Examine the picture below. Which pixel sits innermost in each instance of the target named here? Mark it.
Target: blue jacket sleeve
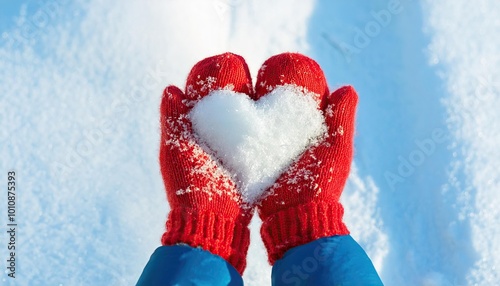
(335, 260)
(185, 265)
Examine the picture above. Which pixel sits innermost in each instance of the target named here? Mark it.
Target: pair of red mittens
(207, 210)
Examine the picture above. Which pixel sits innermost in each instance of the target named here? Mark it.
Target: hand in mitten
(303, 204)
(206, 209)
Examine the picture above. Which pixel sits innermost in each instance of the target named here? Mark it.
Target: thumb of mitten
(337, 150)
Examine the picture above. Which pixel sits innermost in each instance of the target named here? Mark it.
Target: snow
(80, 85)
(466, 49)
(257, 140)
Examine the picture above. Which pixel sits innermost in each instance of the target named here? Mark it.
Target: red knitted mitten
(303, 204)
(206, 209)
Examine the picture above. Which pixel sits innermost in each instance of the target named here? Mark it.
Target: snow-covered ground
(80, 83)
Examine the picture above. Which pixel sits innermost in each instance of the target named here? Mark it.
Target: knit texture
(225, 71)
(206, 208)
(291, 68)
(303, 204)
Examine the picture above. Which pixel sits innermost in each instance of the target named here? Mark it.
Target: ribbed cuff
(299, 225)
(227, 237)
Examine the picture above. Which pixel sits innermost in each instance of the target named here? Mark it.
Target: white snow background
(80, 84)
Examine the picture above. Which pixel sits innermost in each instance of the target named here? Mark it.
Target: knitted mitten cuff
(300, 225)
(227, 237)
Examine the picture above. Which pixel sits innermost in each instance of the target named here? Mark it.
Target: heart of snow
(257, 140)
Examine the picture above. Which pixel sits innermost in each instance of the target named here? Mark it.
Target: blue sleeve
(334, 260)
(185, 265)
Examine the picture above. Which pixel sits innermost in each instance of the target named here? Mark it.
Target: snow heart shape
(257, 140)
